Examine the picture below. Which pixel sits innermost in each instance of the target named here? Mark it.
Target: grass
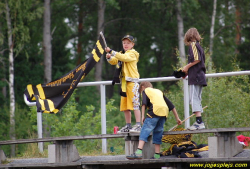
(115, 147)
(33, 151)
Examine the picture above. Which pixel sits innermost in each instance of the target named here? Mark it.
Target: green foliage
(4, 125)
(23, 128)
(154, 24)
(113, 3)
(21, 15)
(227, 99)
(175, 95)
(4, 116)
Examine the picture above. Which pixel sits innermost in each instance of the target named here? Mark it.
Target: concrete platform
(120, 161)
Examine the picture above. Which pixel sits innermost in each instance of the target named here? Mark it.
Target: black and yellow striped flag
(51, 97)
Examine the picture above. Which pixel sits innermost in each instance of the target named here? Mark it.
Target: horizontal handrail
(157, 79)
(49, 139)
(122, 135)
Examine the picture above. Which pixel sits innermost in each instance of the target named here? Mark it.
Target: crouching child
(158, 107)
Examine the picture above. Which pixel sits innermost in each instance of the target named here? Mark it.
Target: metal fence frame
(103, 84)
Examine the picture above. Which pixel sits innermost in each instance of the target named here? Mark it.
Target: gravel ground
(244, 153)
(28, 161)
(204, 154)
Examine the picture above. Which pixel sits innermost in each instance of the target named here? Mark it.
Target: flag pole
(103, 38)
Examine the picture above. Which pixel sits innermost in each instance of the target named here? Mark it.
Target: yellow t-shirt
(160, 107)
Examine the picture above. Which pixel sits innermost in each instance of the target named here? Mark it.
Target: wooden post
(131, 144)
(2, 156)
(63, 151)
(149, 148)
(224, 144)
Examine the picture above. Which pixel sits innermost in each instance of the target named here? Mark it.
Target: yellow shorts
(131, 102)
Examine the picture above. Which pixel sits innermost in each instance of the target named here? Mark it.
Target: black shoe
(124, 129)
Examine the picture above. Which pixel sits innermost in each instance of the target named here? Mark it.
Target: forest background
(42, 40)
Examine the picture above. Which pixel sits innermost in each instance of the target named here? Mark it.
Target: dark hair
(192, 35)
(145, 84)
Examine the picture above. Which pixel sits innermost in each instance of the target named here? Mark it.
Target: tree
(11, 78)
(181, 34)
(212, 35)
(238, 25)
(47, 49)
(3, 65)
(100, 28)
(47, 43)
(80, 32)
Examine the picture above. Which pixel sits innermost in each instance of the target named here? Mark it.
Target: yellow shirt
(129, 68)
(160, 107)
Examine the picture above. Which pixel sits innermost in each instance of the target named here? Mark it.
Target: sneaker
(196, 126)
(135, 129)
(124, 129)
(154, 158)
(134, 156)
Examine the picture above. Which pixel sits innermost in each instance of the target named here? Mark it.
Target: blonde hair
(192, 35)
(145, 84)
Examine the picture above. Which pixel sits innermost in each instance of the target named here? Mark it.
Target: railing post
(40, 130)
(186, 101)
(103, 117)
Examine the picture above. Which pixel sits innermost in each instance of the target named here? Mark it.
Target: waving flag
(51, 97)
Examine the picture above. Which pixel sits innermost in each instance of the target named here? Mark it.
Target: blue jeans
(156, 125)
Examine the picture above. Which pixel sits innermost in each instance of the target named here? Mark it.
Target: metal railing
(103, 84)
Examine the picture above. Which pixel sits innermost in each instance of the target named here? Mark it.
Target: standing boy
(158, 108)
(195, 69)
(126, 64)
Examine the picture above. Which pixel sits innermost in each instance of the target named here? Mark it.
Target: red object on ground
(244, 139)
(116, 129)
